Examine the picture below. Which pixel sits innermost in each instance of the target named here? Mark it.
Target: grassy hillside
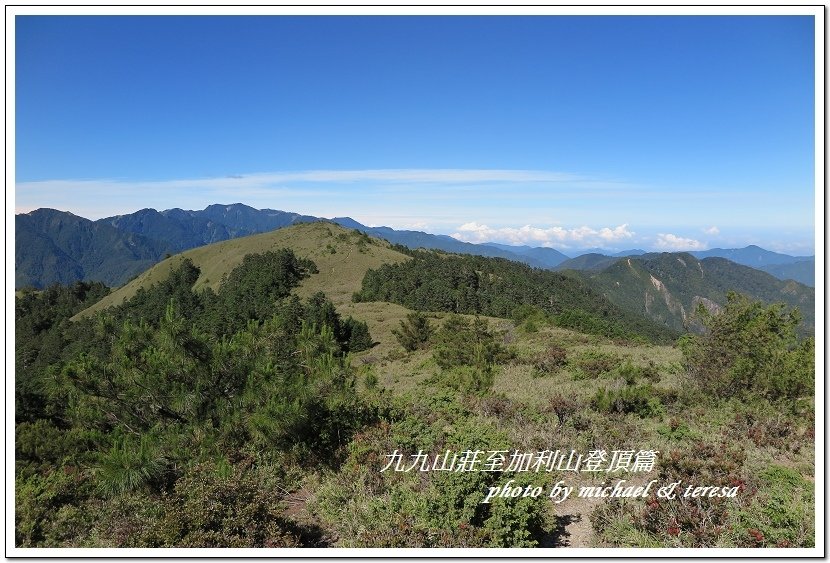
(161, 434)
(342, 257)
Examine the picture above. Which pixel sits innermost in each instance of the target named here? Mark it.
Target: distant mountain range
(752, 256)
(669, 287)
(536, 257)
(181, 229)
(54, 246)
(58, 247)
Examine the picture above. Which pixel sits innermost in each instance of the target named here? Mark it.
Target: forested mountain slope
(668, 287)
(58, 247)
(434, 281)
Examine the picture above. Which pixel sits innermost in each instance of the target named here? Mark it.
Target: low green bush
(591, 364)
(554, 358)
(207, 509)
(783, 514)
(641, 400)
(678, 522)
(461, 342)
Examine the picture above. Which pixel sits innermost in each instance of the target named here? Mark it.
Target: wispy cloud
(713, 230)
(444, 176)
(261, 179)
(551, 236)
(668, 241)
(309, 191)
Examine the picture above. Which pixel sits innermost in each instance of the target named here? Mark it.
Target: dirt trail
(574, 515)
(575, 524)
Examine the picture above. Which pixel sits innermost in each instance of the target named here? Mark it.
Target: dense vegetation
(247, 417)
(749, 365)
(136, 401)
(496, 287)
(58, 247)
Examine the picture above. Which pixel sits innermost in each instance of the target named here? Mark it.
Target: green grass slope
(342, 256)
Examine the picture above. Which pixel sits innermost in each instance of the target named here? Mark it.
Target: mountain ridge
(54, 246)
(668, 287)
(62, 250)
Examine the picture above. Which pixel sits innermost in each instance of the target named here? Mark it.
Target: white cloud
(477, 233)
(672, 242)
(713, 230)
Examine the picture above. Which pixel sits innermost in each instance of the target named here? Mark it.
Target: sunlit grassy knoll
(341, 255)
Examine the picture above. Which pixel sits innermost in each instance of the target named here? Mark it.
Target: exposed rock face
(672, 303)
(710, 305)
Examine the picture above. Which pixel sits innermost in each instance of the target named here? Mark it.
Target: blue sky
(653, 132)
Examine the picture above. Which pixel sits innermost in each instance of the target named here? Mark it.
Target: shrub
(563, 407)
(529, 317)
(43, 500)
(783, 514)
(463, 343)
(640, 400)
(367, 508)
(208, 510)
(516, 522)
(591, 364)
(371, 380)
(675, 430)
(631, 372)
(551, 360)
(497, 405)
(751, 349)
(683, 521)
(356, 334)
(468, 379)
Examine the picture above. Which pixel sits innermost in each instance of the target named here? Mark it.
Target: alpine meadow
(431, 281)
(248, 393)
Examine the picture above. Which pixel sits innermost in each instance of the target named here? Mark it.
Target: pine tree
(415, 332)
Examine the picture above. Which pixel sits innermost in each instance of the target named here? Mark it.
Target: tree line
(434, 281)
